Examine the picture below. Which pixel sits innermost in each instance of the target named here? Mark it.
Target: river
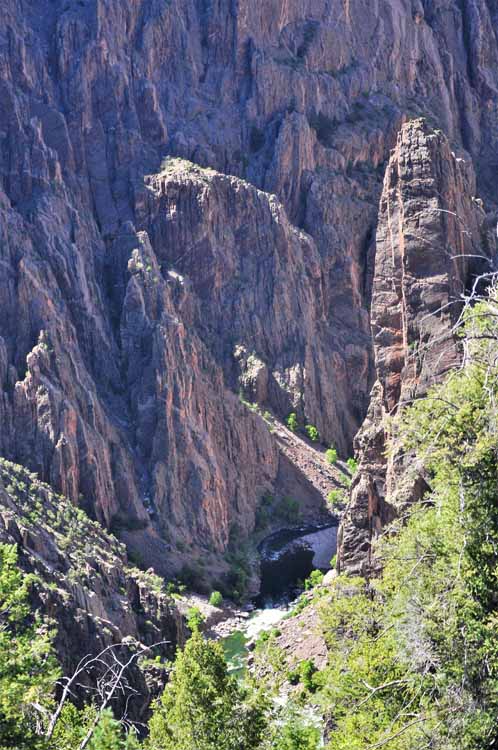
(287, 559)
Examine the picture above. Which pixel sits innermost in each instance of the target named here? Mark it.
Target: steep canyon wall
(189, 209)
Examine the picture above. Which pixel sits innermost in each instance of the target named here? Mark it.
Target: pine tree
(413, 656)
(108, 734)
(295, 734)
(202, 707)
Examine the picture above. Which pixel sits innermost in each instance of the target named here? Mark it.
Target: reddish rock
(120, 385)
(431, 243)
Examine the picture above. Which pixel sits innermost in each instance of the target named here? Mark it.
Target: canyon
(214, 214)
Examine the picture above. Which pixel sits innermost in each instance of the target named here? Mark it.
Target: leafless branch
(113, 679)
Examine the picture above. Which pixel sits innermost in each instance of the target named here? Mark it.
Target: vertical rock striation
(188, 209)
(431, 243)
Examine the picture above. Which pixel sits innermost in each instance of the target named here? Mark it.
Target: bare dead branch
(112, 680)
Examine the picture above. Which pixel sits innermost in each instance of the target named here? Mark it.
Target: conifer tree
(203, 707)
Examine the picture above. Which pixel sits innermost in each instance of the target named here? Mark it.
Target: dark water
(288, 557)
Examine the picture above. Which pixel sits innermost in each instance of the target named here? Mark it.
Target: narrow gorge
(239, 241)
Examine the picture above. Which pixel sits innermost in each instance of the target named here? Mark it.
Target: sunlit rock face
(84, 582)
(189, 211)
(432, 244)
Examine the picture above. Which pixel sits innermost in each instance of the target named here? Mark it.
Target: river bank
(287, 559)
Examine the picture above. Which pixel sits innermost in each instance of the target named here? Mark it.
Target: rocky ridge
(432, 243)
(85, 583)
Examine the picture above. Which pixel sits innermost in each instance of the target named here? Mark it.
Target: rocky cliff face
(189, 202)
(431, 245)
(85, 582)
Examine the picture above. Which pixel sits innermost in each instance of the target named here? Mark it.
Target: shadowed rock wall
(189, 199)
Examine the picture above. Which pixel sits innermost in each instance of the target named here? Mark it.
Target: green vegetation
(28, 675)
(413, 658)
(296, 734)
(73, 725)
(352, 465)
(135, 557)
(175, 588)
(235, 582)
(301, 603)
(314, 579)
(253, 406)
(203, 707)
(192, 576)
(303, 674)
(109, 735)
(216, 599)
(268, 417)
(28, 669)
(292, 422)
(312, 433)
(412, 652)
(336, 498)
(331, 455)
(288, 510)
(263, 512)
(195, 619)
(267, 635)
(87, 547)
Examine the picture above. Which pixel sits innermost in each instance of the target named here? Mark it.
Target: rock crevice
(432, 242)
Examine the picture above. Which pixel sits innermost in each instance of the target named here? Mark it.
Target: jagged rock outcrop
(431, 244)
(185, 420)
(119, 383)
(85, 583)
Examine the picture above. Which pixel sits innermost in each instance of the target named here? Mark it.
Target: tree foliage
(216, 599)
(195, 619)
(109, 733)
(331, 455)
(28, 669)
(414, 654)
(203, 707)
(292, 422)
(295, 734)
(312, 433)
